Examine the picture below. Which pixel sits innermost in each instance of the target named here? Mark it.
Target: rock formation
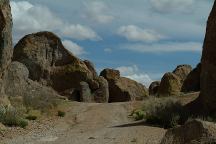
(123, 89)
(153, 88)
(50, 64)
(170, 85)
(193, 132)
(192, 82)
(17, 84)
(182, 72)
(208, 62)
(6, 48)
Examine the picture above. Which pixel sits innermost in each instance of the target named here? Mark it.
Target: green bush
(138, 115)
(61, 113)
(33, 114)
(164, 112)
(11, 117)
(23, 123)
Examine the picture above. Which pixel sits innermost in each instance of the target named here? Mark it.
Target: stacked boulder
(51, 64)
(192, 82)
(14, 81)
(171, 82)
(122, 89)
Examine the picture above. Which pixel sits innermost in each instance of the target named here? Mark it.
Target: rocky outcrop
(193, 132)
(123, 89)
(182, 72)
(208, 73)
(110, 74)
(17, 84)
(50, 64)
(6, 48)
(170, 85)
(101, 95)
(192, 82)
(153, 88)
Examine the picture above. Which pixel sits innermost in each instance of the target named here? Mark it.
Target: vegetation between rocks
(165, 112)
(10, 116)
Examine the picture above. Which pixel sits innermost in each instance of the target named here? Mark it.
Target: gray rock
(153, 88)
(85, 92)
(102, 94)
(193, 132)
(6, 48)
(17, 84)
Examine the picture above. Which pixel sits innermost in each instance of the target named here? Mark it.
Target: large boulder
(192, 82)
(51, 64)
(101, 95)
(208, 72)
(153, 88)
(170, 85)
(193, 132)
(122, 89)
(182, 72)
(6, 48)
(17, 84)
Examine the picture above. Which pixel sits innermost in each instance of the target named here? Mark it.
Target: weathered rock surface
(123, 89)
(17, 84)
(153, 88)
(182, 72)
(50, 64)
(6, 48)
(170, 85)
(193, 132)
(208, 62)
(101, 95)
(192, 82)
(110, 74)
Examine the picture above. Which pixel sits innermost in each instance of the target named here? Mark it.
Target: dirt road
(90, 124)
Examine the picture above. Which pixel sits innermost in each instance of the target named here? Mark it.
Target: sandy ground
(88, 124)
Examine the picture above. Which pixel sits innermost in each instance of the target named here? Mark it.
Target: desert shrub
(40, 103)
(11, 117)
(138, 114)
(61, 113)
(33, 114)
(164, 112)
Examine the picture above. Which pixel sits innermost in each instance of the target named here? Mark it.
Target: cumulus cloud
(134, 33)
(171, 5)
(73, 47)
(165, 47)
(80, 32)
(29, 18)
(98, 11)
(134, 73)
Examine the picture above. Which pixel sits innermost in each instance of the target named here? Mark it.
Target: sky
(142, 38)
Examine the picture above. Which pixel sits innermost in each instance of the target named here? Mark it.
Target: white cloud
(79, 32)
(108, 50)
(165, 47)
(134, 33)
(171, 5)
(98, 11)
(134, 73)
(29, 18)
(73, 47)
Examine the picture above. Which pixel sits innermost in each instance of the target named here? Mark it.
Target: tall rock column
(6, 49)
(208, 73)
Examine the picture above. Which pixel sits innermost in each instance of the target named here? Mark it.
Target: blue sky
(142, 38)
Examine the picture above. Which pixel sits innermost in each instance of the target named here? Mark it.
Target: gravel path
(90, 124)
